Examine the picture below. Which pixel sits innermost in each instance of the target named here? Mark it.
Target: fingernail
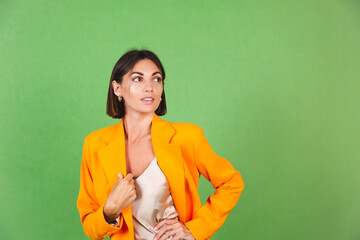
(155, 228)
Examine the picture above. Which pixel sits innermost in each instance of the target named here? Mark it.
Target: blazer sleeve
(228, 186)
(91, 212)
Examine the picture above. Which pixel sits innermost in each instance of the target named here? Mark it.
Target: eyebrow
(143, 74)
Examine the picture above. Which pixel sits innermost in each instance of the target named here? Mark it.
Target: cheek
(133, 90)
(159, 90)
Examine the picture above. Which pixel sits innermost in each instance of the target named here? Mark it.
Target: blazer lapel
(112, 157)
(170, 161)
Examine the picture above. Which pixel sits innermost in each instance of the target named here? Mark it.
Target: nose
(148, 86)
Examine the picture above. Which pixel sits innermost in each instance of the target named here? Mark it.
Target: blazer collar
(168, 155)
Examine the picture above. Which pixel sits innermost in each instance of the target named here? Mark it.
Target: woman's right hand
(122, 194)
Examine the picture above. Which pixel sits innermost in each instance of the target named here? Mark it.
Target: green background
(274, 84)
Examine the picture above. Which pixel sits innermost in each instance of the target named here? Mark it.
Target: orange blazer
(183, 153)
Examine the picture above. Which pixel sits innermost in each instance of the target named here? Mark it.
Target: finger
(120, 176)
(180, 235)
(165, 228)
(162, 231)
(164, 221)
(133, 193)
(170, 233)
(133, 197)
(130, 200)
(128, 177)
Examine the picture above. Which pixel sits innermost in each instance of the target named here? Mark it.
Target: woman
(139, 177)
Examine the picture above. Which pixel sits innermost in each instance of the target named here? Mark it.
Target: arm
(227, 182)
(91, 212)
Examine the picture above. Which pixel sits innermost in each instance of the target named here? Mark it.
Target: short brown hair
(116, 109)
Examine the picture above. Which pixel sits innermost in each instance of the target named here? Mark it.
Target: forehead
(145, 66)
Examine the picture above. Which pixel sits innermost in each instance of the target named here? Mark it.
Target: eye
(137, 79)
(158, 79)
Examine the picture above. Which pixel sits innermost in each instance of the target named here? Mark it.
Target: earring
(160, 99)
(119, 98)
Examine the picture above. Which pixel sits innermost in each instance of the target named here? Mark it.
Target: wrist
(108, 214)
(115, 223)
(111, 215)
(109, 218)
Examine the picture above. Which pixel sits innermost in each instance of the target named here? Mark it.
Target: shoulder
(96, 136)
(186, 128)
(187, 132)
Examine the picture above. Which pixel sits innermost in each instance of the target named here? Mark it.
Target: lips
(147, 99)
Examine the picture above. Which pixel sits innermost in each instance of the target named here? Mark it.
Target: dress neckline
(146, 169)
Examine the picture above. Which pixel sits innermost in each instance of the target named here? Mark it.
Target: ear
(117, 88)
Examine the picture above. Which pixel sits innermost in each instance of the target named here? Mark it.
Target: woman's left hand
(172, 227)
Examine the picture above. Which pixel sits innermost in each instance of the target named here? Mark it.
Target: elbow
(240, 182)
(237, 183)
(234, 183)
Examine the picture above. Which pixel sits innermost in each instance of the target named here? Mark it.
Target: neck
(137, 125)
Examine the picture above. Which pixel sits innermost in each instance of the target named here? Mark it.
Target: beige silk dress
(153, 201)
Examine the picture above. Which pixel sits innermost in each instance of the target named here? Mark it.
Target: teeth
(147, 99)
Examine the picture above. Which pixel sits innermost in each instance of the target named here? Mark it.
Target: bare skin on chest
(139, 155)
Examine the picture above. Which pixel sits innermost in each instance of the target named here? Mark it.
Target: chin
(152, 110)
